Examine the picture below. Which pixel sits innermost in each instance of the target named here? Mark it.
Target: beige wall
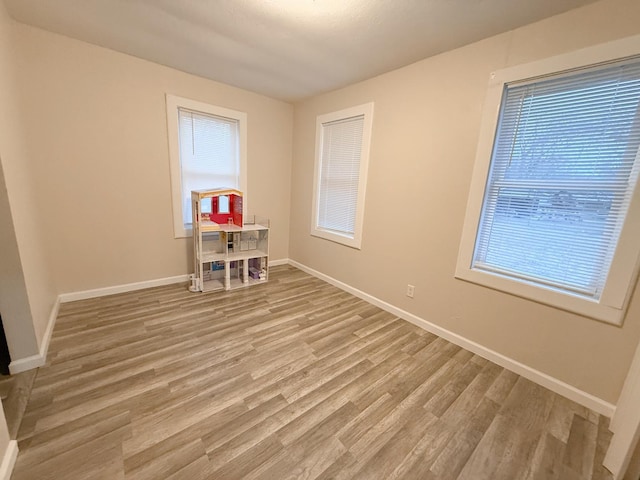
(84, 152)
(425, 130)
(4, 434)
(95, 123)
(14, 300)
(26, 291)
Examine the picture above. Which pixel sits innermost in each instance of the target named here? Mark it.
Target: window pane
(563, 170)
(209, 156)
(223, 204)
(340, 175)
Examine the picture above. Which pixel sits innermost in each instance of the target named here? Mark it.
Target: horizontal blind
(564, 167)
(339, 175)
(209, 156)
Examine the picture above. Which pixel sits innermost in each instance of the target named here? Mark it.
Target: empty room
(320, 239)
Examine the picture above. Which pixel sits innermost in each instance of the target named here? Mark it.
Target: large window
(554, 216)
(207, 150)
(342, 158)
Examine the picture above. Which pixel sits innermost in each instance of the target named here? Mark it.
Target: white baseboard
(35, 361)
(281, 261)
(594, 403)
(128, 287)
(38, 360)
(27, 363)
(558, 386)
(46, 338)
(9, 460)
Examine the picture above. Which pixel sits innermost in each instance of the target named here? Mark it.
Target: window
(549, 213)
(342, 159)
(207, 146)
(223, 204)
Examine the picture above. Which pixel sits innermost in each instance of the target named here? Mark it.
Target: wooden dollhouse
(230, 250)
(215, 207)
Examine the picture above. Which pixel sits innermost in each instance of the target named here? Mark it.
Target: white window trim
(367, 111)
(613, 303)
(173, 103)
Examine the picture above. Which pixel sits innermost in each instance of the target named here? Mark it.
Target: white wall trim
(281, 261)
(558, 386)
(174, 102)
(9, 460)
(38, 360)
(46, 338)
(625, 423)
(590, 401)
(611, 306)
(127, 287)
(323, 122)
(35, 361)
(26, 363)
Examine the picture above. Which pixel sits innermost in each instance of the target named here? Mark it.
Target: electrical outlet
(410, 290)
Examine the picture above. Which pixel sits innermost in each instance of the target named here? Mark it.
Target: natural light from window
(553, 210)
(562, 176)
(207, 149)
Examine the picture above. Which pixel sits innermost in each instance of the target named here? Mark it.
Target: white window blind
(209, 154)
(564, 167)
(340, 175)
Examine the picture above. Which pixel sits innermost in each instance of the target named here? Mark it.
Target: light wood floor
(15, 391)
(293, 379)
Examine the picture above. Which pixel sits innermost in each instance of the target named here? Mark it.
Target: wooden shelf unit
(227, 255)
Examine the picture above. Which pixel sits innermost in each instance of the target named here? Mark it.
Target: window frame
(612, 304)
(365, 110)
(173, 103)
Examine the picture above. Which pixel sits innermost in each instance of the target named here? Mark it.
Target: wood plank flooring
(293, 379)
(15, 391)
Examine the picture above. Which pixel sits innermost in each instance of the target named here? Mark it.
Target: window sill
(550, 296)
(352, 242)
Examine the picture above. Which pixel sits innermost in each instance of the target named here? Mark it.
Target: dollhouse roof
(212, 192)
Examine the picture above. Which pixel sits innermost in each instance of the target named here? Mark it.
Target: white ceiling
(287, 49)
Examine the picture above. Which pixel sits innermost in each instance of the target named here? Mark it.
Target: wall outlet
(410, 290)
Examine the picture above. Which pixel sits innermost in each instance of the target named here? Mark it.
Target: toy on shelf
(216, 206)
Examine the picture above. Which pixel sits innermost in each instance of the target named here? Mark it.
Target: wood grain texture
(15, 391)
(293, 379)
